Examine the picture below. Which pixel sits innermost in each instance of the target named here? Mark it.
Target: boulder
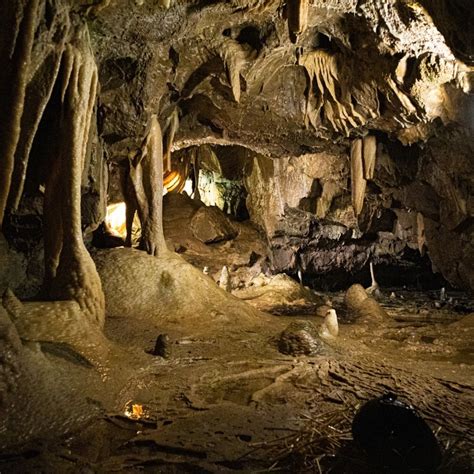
(362, 306)
(301, 338)
(210, 225)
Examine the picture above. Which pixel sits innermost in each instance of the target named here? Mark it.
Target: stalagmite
(146, 191)
(362, 306)
(369, 155)
(70, 271)
(358, 183)
(224, 279)
(297, 18)
(330, 327)
(373, 289)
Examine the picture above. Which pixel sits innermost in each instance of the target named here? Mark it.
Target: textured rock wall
(297, 85)
(419, 201)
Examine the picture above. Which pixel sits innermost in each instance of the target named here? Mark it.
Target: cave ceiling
(282, 78)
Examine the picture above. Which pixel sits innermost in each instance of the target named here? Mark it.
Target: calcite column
(70, 271)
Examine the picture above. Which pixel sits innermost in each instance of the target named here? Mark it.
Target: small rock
(301, 338)
(162, 346)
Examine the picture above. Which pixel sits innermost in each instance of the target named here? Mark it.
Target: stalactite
(37, 99)
(196, 165)
(17, 28)
(297, 18)
(334, 93)
(358, 183)
(369, 155)
(234, 57)
(402, 101)
(420, 231)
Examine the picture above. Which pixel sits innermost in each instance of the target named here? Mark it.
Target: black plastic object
(395, 437)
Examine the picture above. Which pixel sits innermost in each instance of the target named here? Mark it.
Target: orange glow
(137, 411)
(173, 181)
(115, 219)
(134, 410)
(116, 213)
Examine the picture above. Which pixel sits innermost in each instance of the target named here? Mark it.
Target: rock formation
(362, 306)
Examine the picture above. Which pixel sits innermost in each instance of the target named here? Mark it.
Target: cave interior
(237, 236)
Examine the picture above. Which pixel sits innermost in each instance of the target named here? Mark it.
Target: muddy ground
(227, 400)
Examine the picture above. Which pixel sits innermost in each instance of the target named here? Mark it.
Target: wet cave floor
(226, 399)
(230, 401)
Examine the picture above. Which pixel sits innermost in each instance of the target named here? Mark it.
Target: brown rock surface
(210, 225)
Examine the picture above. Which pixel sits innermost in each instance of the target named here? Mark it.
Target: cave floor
(228, 400)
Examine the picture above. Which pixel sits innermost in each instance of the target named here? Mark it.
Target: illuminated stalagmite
(70, 273)
(144, 190)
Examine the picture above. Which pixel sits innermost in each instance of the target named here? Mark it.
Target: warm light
(137, 411)
(173, 181)
(134, 410)
(116, 220)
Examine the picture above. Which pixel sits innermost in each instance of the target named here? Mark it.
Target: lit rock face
(299, 89)
(235, 76)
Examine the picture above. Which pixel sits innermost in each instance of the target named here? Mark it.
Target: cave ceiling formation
(351, 120)
(298, 84)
